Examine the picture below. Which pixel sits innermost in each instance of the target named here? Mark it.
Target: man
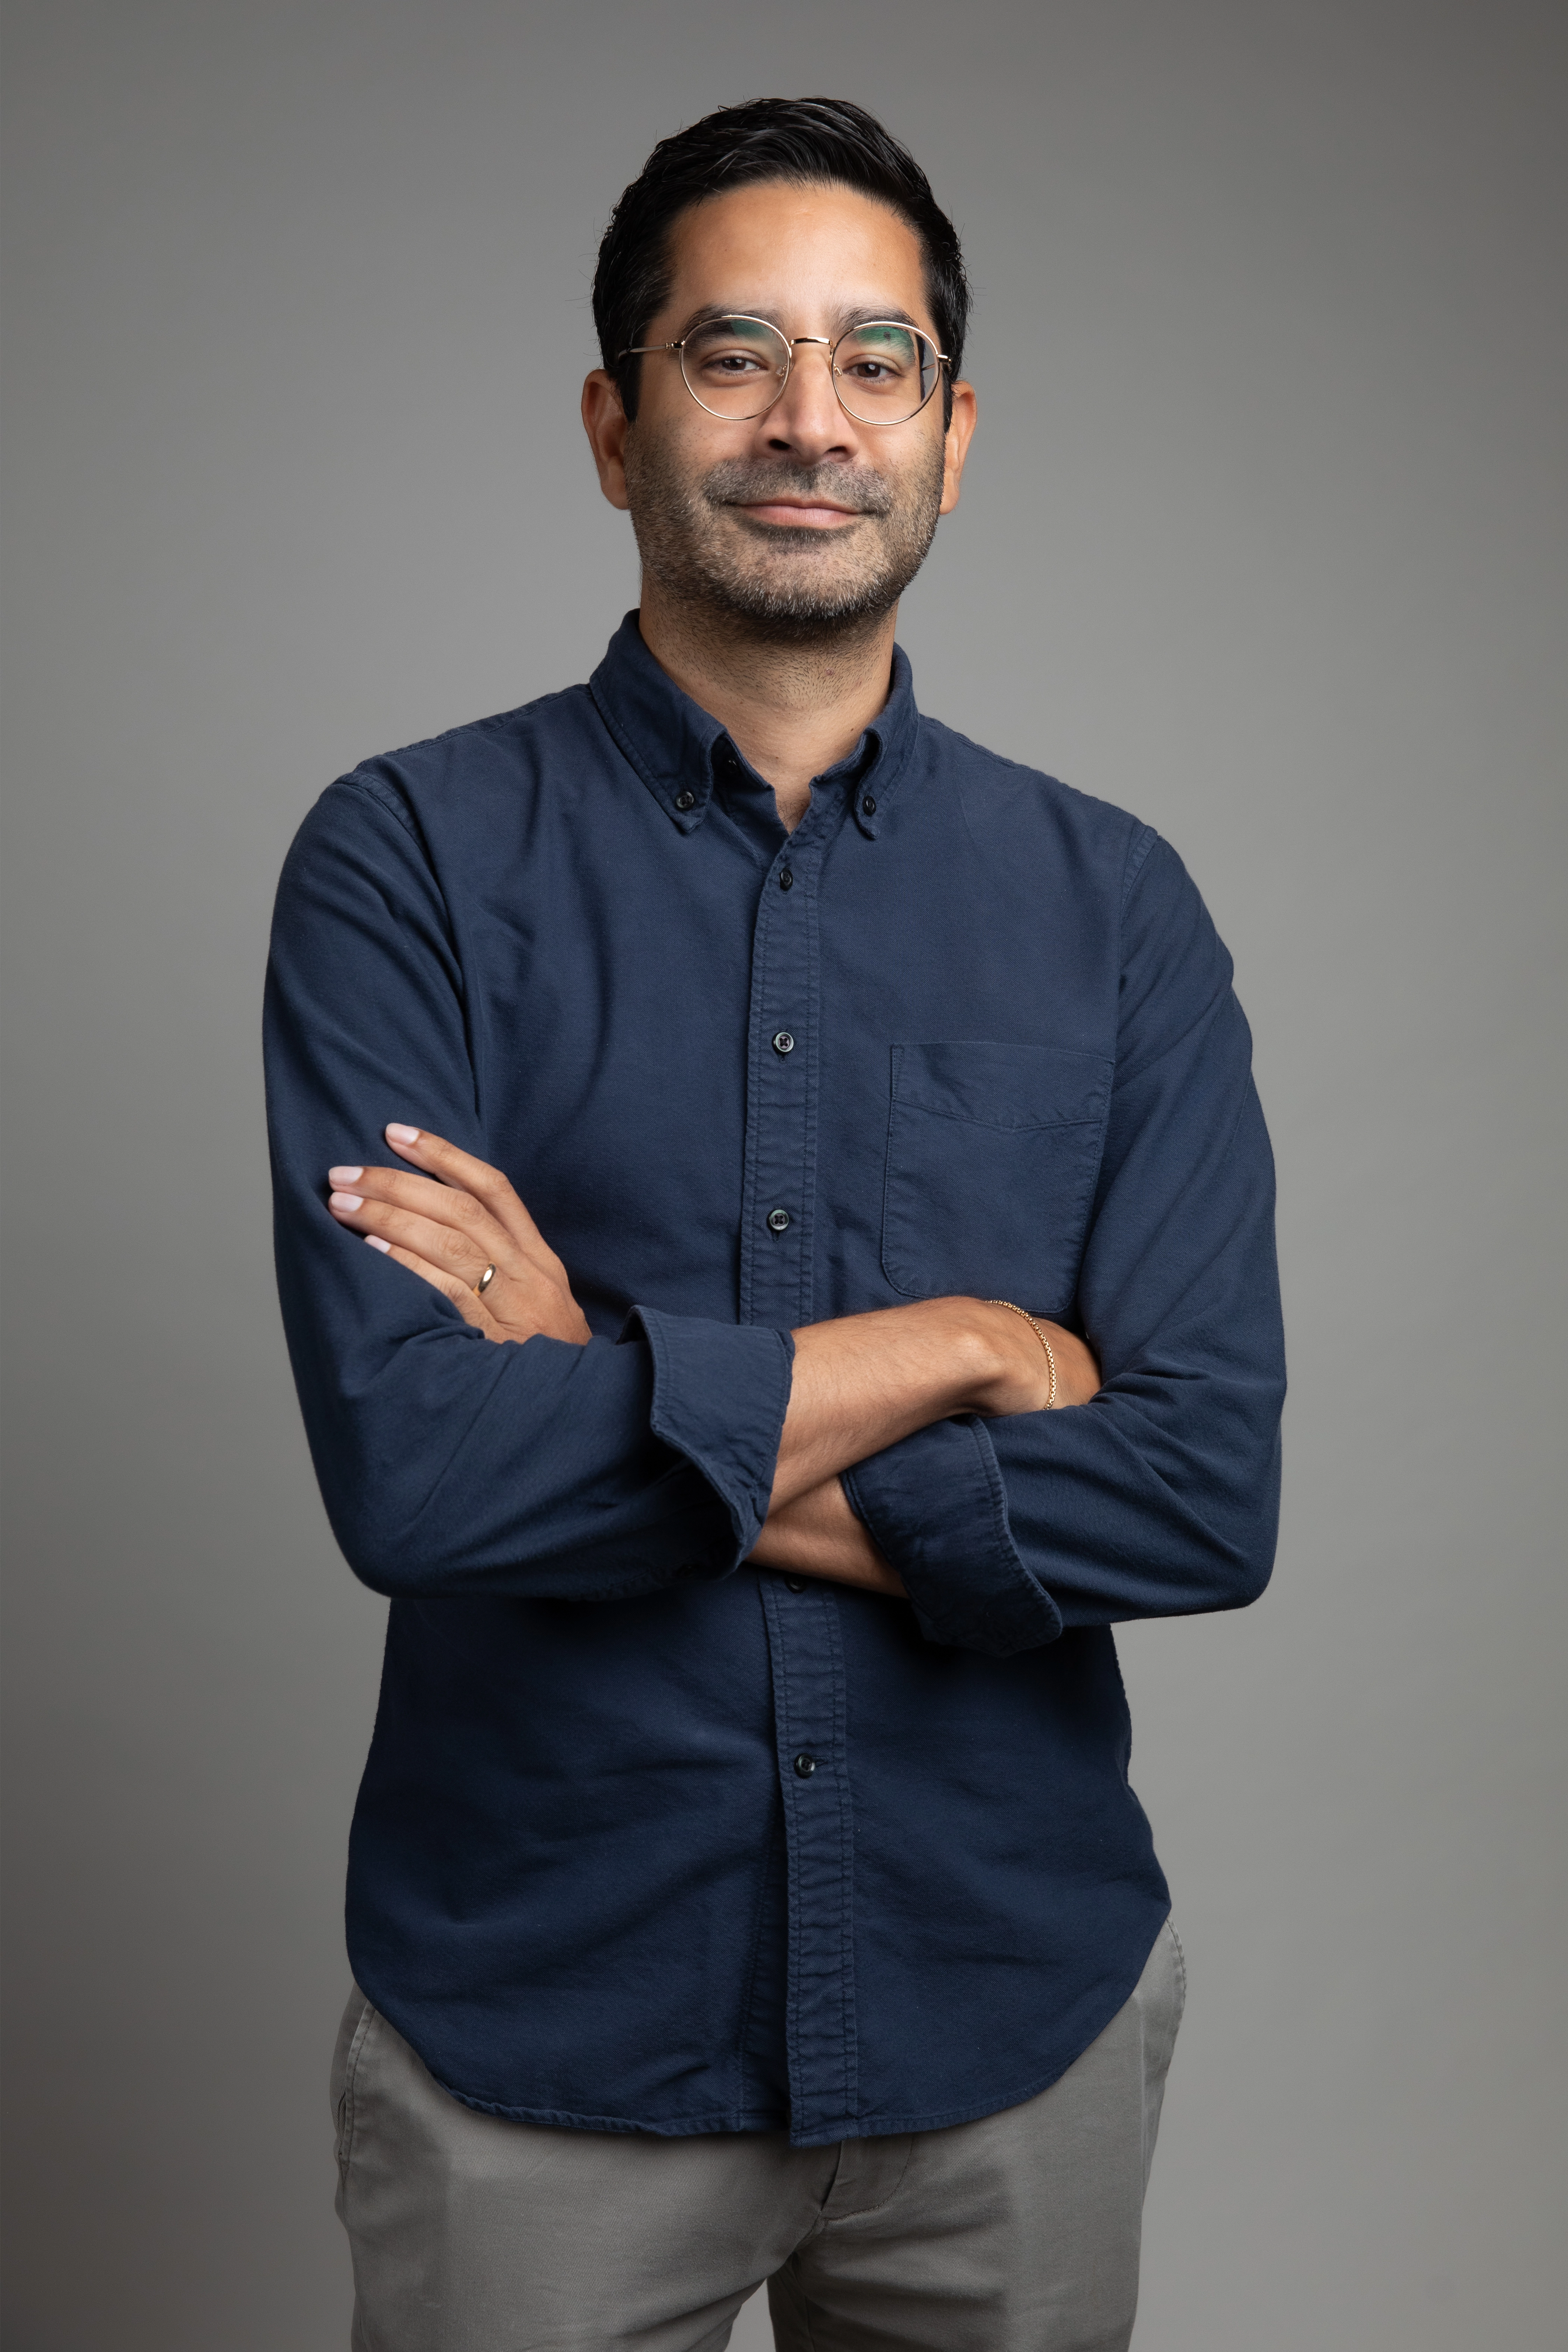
(820, 1278)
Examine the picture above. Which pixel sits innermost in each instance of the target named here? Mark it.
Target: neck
(791, 709)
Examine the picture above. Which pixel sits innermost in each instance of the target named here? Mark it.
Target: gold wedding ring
(485, 1280)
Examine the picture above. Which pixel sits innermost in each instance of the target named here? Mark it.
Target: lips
(798, 515)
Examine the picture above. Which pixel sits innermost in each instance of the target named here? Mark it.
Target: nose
(807, 419)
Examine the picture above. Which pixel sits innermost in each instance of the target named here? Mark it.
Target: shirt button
(685, 801)
(804, 1767)
(787, 879)
(778, 1221)
(868, 806)
(782, 1042)
(795, 1583)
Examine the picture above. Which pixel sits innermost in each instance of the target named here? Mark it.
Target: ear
(955, 447)
(605, 422)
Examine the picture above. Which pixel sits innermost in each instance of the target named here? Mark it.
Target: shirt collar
(675, 746)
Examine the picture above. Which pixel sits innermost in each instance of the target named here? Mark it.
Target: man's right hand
(864, 1381)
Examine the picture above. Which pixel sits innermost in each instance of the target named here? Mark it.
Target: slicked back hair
(811, 142)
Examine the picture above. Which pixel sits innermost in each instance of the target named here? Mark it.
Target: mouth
(800, 514)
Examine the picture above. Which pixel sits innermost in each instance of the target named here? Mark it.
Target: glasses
(883, 371)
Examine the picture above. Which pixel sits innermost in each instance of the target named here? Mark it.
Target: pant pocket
(357, 2019)
(1162, 1996)
(1179, 1959)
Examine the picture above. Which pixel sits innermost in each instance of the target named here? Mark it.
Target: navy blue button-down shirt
(650, 1840)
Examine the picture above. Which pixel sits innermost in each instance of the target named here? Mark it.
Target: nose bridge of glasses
(792, 376)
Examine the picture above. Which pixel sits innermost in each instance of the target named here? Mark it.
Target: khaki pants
(1017, 2234)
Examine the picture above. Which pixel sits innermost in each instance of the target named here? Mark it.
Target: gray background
(1263, 539)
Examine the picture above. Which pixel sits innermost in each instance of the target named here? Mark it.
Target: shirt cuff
(720, 1392)
(936, 1509)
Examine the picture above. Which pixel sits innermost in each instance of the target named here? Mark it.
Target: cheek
(910, 461)
(656, 475)
(926, 484)
(673, 456)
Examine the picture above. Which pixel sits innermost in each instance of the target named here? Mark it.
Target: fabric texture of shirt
(649, 1839)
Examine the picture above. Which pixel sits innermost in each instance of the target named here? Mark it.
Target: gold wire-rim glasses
(790, 344)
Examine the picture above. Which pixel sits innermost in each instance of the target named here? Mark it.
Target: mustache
(739, 483)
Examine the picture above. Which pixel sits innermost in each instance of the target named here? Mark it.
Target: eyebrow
(862, 314)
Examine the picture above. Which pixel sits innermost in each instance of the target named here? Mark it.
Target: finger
(450, 1247)
(470, 1305)
(477, 1177)
(424, 1196)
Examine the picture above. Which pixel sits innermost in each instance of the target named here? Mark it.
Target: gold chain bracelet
(1050, 1352)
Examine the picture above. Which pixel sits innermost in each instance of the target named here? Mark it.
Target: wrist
(983, 1347)
(1011, 1359)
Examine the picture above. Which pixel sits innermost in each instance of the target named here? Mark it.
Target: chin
(799, 609)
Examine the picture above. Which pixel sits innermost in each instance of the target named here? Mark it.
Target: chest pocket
(992, 1155)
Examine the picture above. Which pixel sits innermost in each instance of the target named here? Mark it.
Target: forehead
(787, 250)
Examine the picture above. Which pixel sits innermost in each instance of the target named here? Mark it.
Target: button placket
(802, 1622)
(809, 1694)
(776, 1240)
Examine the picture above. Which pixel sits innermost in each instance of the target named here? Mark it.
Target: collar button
(869, 806)
(684, 800)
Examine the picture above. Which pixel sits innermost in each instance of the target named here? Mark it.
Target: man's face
(802, 521)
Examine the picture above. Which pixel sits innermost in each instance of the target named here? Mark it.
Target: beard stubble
(770, 593)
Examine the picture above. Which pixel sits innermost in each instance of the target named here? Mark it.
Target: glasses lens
(735, 367)
(886, 373)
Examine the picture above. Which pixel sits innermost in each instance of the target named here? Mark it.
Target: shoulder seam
(1138, 849)
(375, 790)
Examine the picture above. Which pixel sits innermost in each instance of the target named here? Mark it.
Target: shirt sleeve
(448, 1463)
(1161, 1497)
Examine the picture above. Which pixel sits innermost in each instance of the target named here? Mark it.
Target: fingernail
(345, 1201)
(376, 1242)
(344, 1175)
(395, 1134)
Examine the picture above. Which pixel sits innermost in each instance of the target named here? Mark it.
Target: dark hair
(809, 140)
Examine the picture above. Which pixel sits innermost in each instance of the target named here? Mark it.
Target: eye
(879, 358)
(730, 350)
(731, 363)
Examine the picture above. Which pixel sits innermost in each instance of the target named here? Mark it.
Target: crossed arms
(578, 1469)
(859, 1382)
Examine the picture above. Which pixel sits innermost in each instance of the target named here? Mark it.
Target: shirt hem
(752, 2119)
(818, 2134)
(740, 2119)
